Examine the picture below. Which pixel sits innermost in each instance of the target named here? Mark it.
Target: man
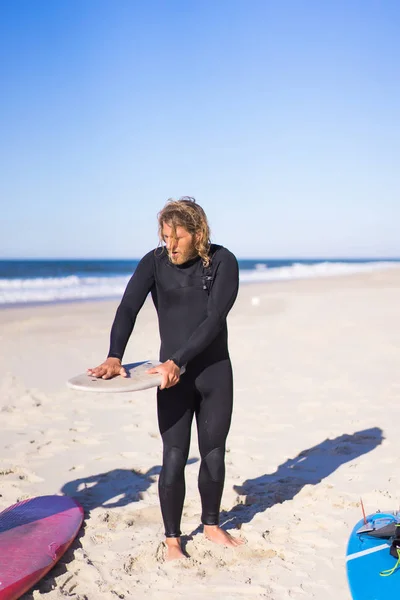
(194, 285)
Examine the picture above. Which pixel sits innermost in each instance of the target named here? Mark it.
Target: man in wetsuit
(194, 285)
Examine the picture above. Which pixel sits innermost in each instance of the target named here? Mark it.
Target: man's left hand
(170, 374)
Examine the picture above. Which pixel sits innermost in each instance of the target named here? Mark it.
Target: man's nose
(171, 245)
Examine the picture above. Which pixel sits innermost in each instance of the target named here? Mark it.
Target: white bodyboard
(137, 380)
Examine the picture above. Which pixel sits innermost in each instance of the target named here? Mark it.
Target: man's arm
(132, 301)
(221, 299)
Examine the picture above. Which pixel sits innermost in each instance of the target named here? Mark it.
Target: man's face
(180, 247)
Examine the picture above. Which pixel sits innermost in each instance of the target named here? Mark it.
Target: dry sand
(315, 426)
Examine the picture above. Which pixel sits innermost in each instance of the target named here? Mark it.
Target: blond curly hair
(186, 213)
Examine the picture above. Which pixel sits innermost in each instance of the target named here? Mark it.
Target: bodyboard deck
(137, 380)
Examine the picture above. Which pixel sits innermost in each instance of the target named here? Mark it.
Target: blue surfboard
(367, 557)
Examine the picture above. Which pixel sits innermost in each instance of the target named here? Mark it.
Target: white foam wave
(55, 289)
(307, 271)
(39, 283)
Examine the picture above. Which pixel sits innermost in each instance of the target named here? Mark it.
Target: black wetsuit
(192, 303)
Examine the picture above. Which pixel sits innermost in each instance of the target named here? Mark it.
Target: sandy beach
(315, 427)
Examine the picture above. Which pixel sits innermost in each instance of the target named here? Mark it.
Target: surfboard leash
(395, 552)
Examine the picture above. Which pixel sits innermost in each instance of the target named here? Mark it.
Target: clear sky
(281, 117)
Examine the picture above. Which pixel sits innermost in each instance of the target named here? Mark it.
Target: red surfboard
(34, 534)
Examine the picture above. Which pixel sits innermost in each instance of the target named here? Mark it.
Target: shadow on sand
(311, 466)
(113, 489)
(119, 487)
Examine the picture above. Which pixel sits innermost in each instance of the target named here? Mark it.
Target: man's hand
(170, 373)
(108, 369)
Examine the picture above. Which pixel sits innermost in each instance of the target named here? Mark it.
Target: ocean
(25, 282)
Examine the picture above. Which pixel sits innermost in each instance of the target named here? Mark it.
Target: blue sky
(281, 117)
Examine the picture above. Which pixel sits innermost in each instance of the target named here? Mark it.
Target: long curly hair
(186, 213)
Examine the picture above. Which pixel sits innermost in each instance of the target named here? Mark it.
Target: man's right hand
(108, 369)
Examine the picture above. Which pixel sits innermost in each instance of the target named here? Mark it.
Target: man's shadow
(113, 489)
(311, 466)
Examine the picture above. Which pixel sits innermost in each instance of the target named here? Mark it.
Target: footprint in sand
(101, 538)
(85, 441)
(148, 515)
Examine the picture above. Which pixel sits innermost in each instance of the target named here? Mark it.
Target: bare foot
(219, 536)
(174, 550)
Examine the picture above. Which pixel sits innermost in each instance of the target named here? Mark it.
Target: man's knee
(214, 462)
(174, 462)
